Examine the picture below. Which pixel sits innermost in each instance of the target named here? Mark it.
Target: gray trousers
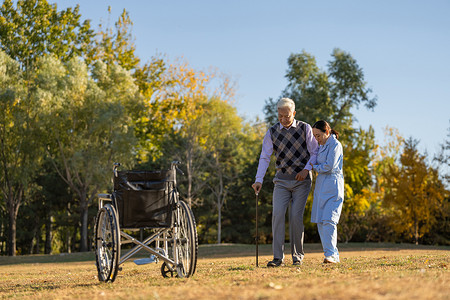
(294, 194)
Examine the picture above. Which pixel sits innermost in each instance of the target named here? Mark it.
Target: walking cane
(256, 237)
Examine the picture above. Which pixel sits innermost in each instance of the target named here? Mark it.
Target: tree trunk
(34, 244)
(38, 237)
(68, 235)
(12, 229)
(68, 243)
(219, 225)
(416, 231)
(33, 241)
(73, 240)
(2, 233)
(220, 199)
(48, 234)
(13, 204)
(84, 224)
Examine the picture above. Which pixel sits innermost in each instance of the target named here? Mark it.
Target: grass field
(366, 271)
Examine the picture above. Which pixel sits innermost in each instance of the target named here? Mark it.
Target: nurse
(329, 189)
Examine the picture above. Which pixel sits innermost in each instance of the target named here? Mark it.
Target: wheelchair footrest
(145, 261)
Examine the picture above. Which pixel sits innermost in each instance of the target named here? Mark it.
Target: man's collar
(294, 124)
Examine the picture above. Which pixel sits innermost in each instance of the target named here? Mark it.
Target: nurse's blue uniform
(328, 194)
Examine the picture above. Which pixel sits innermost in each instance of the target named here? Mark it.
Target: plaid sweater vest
(290, 148)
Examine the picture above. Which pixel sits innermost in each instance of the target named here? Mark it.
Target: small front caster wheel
(166, 271)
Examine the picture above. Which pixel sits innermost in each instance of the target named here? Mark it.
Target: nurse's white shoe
(330, 260)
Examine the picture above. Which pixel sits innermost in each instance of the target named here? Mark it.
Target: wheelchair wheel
(107, 243)
(187, 243)
(165, 271)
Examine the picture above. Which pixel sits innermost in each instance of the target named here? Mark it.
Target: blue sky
(403, 46)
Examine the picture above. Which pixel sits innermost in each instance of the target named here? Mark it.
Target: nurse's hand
(302, 175)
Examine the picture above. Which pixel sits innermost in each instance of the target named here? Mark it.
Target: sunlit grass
(229, 272)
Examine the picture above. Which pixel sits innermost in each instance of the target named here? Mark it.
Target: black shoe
(276, 262)
(297, 263)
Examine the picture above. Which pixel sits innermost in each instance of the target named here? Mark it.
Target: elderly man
(295, 149)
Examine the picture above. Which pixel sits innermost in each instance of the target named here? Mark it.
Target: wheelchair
(145, 201)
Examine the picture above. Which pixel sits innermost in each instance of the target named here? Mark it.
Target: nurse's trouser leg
(328, 237)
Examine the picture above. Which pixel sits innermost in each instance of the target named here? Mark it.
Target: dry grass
(229, 272)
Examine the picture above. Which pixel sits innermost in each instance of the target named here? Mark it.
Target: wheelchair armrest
(103, 197)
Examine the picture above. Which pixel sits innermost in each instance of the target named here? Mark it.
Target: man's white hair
(286, 102)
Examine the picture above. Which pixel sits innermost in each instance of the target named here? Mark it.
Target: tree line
(76, 99)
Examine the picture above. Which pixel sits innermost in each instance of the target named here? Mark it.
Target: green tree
(440, 233)
(197, 115)
(414, 193)
(116, 46)
(35, 28)
(181, 106)
(154, 78)
(91, 121)
(308, 86)
(372, 221)
(324, 95)
(51, 200)
(442, 159)
(348, 87)
(359, 196)
(224, 150)
(239, 210)
(19, 147)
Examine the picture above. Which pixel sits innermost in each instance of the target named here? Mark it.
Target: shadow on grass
(237, 250)
(42, 258)
(219, 251)
(44, 286)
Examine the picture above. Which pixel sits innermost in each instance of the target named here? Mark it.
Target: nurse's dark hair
(324, 126)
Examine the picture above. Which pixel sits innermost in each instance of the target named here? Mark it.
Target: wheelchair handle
(175, 164)
(116, 166)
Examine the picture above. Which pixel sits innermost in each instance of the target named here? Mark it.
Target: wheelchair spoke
(107, 244)
(186, 241)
